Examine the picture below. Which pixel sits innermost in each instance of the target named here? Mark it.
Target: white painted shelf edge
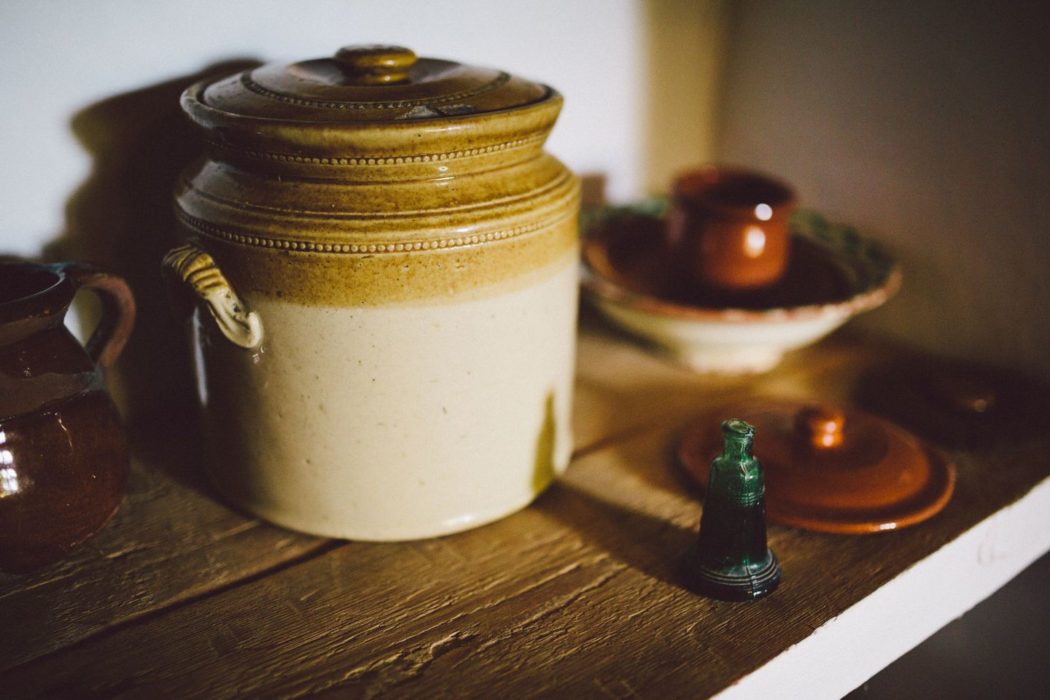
(849, 649)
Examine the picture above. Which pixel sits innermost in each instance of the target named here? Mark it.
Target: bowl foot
(727, 360)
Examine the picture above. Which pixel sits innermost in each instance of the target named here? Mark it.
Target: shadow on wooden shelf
(172, 442)
(648, 543)
(579, 589)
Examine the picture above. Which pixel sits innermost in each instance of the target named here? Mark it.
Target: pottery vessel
(63, 454)
(383, 263)
(730, 227)
(833, 274)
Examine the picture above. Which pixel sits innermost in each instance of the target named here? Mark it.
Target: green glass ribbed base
(734, 583)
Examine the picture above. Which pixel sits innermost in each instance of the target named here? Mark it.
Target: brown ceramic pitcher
(63, 454)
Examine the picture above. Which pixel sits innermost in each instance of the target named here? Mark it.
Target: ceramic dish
(629, 273)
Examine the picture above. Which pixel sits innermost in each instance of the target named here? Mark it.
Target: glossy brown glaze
(730, 227)
(63, 470)
(638, 254)
(63, 454)
(831, 469)
(632, 273)
(375, 177)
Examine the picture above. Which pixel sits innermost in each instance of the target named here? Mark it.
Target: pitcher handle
(196, 269)
(118, 310)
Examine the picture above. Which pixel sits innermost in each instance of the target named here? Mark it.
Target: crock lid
(831, 469)
(377, 106)
(370, 84)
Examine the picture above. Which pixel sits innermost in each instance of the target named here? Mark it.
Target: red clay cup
(730, 227)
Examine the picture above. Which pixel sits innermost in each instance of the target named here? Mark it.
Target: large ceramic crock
(384, 262)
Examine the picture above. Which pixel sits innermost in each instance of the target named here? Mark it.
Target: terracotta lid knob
(820, 426)
(376, 64)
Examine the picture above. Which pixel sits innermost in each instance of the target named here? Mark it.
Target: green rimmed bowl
(630, 274)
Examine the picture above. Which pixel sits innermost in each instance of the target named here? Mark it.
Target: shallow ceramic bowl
(630, 275)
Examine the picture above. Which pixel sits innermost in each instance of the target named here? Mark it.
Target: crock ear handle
(118, 311)
(195, 269)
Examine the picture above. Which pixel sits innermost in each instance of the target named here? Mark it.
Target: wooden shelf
(576, 595)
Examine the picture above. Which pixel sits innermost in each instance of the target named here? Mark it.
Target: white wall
(60, 56)
(928, 125)
(924, 123)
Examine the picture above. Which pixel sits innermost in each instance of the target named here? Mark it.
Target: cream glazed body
(386, 424)
(385, 302)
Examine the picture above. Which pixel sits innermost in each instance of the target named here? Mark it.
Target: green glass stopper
(730, 560)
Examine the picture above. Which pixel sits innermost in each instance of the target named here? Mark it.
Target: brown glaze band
(66, 478)
(363, 248)
(383, 159)
(342, 210)
(307, 145)
(434, 275)
(324, 243)
(249, 83)
(373, 207)
(374, 260)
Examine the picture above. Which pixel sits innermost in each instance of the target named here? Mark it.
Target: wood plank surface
(575, 595)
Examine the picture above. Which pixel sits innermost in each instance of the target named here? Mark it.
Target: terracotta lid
(831, 469)
(388, 90)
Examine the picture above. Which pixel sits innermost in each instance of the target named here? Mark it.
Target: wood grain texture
(575, 595)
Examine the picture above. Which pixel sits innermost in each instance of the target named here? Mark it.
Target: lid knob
(375, 64)
(821, 426)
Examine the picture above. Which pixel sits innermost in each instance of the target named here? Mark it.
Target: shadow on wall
(923, 124)
(121, 218)
(684, 61)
